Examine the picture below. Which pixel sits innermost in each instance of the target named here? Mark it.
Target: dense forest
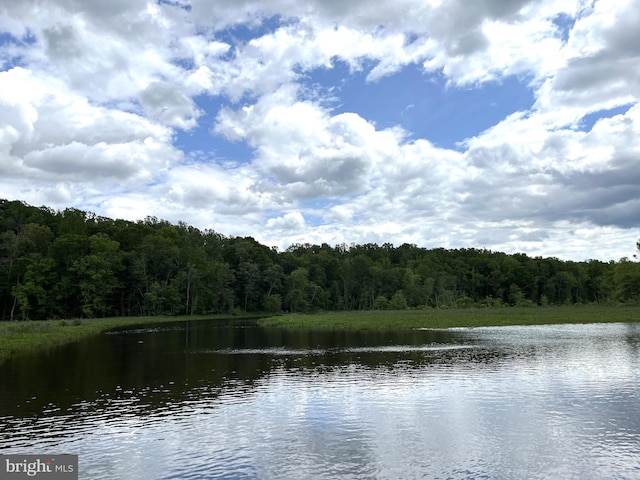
(66, 264)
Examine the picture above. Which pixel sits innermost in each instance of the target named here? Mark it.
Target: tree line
(71, 263)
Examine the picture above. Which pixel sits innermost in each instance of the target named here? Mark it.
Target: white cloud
(93, 96)
(304, 151)
(531, 172)
(289, 221)
(164, 102)
(54, 142)
(226, 192)
(602, 62)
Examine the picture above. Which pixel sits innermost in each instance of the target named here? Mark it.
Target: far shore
(19, 337)
(451, 318)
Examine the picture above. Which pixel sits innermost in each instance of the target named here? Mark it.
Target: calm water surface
(206, 400)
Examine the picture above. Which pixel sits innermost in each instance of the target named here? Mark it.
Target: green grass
(19, 337)
(438, 318)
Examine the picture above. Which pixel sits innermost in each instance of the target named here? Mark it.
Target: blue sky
(423, 105)
(202, 138)
(504, 125)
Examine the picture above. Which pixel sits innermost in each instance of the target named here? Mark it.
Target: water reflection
(204, 400)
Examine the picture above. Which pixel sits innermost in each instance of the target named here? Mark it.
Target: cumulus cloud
(305, 151)
(559, 174)
(167, 104)
(209, 186)
(289, 221)
(95, 98)
(601, 62)
(53, 142)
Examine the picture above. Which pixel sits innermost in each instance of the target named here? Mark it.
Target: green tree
(380, 303)
(516, 296)
(398, 301)
(626, 280)
(273, 303)
(248, 277)
(23, 249)
(162, 298)
(96, 274)
(301, 292)
(34, 295)
(273, 277)
(155, 266)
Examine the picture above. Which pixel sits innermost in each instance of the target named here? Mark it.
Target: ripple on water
(533, 403)
(282, 351)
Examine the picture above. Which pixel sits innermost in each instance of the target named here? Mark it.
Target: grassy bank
(436, 318)
(18, 337)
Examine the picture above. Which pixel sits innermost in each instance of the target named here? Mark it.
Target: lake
(209, 399)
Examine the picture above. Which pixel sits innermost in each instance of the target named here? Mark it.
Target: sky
(509, 125)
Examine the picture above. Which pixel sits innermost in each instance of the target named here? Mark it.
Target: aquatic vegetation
(447, 318)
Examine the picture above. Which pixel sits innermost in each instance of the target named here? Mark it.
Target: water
(204, 400)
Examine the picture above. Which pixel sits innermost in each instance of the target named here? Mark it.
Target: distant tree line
(66, 264)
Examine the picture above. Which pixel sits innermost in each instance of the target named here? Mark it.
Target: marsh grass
(440, 318)
(29, 336)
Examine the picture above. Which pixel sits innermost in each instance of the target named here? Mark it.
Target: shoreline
(19, 337)
(455, 318)
(22, 337)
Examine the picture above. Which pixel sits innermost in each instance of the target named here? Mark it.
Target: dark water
(205, 400)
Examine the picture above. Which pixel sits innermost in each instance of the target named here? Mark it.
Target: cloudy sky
(512, 125)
